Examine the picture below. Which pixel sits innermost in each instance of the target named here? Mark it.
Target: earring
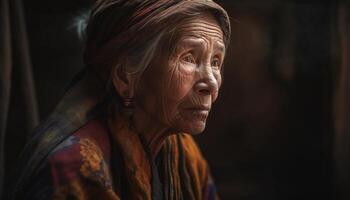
(127, 102)
(128, 106)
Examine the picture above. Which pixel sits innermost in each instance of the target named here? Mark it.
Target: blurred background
(281, 126)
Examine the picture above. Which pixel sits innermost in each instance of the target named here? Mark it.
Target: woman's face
(178, 92)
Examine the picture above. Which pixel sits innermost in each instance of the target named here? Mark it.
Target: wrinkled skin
(175, 95)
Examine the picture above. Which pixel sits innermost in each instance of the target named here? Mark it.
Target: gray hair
(132, 30)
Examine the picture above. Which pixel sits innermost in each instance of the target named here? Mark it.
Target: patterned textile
(66, 136)
(85, 166)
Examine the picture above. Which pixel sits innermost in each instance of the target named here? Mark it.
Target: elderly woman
(123, 129)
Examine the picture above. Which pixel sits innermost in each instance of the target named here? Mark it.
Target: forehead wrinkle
(198, 40)
(207, 30)
(211, 38)
(203, 32)
(202, 24)
(194, 27)
(203, 42)
(207, 26)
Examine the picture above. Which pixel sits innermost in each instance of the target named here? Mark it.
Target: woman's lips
(199, 112)
(200, 107)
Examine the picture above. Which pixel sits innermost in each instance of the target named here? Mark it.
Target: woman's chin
(196, 128)
(191, 126)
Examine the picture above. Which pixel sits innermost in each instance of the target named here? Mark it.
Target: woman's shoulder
(86, 153)
(93, 137)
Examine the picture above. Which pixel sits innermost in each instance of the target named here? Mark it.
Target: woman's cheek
(218, 78)
(185, 68)
(176, 84)
(181, 81)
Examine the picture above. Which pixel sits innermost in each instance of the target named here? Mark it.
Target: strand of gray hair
(79, 24)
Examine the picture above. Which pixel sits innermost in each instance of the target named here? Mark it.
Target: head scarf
(115, 29)
(122, 27)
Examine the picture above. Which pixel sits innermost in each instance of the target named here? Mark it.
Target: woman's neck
(153, 132)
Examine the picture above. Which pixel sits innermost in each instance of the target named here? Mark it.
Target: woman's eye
(189, 58)
(215, 63)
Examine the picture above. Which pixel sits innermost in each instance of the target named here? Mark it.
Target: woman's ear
(124, 82)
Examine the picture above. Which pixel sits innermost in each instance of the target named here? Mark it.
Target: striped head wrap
(117, 28)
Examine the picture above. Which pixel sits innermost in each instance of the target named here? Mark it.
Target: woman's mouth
(199, 112)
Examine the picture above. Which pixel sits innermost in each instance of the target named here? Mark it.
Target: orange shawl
(91, 164)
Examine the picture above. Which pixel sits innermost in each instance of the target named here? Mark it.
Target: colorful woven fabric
(85, 166)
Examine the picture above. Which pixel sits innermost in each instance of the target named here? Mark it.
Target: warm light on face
(179, 92)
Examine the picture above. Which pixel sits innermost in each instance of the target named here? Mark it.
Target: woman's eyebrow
(219, 46)
(193, 43)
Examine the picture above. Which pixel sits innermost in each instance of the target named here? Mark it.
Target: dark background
(280, 127)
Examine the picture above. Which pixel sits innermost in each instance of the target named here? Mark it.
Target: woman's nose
(207, 83)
